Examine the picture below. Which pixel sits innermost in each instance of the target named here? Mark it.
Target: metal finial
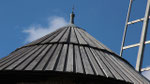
(72, 15)
(73, 8)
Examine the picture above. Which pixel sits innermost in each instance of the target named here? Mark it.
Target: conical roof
(71, 49)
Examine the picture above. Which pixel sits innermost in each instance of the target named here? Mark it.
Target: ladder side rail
(143, 38)
(126, 26)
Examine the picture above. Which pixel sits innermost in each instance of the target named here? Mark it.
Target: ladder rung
(134, 45)
(135, 21)
(145, 69)
(130, 46)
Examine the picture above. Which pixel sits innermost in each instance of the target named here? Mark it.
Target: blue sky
(22, 20)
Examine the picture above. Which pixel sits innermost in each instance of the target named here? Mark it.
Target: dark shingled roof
(71, 49)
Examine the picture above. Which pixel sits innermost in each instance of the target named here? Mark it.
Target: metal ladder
(143, 41)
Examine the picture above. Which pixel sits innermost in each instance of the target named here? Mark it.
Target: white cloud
(146, 74)
(36, 31)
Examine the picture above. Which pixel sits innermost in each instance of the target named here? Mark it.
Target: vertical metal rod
(72, 15)
(143, 38)
(126, 26)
